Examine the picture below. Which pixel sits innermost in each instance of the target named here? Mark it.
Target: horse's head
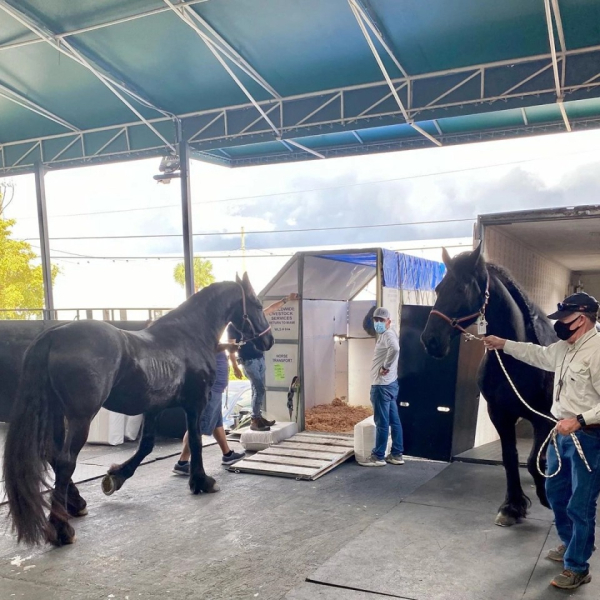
(249, 318)
(461, 293)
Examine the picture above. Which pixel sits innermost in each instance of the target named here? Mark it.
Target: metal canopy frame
(297, 127)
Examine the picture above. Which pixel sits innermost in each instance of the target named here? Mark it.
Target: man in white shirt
(573, 493)
(384, 393)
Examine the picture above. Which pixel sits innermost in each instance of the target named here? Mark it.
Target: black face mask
(563, 331)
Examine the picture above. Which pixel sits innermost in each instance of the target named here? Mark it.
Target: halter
(456, 322)
(246, 319)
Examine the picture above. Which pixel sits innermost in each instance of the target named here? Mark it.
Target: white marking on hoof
(82, 512)
(504, 520)
(109, 485)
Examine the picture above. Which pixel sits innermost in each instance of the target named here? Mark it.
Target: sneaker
(569, 580)
(182, 468)
(259, 425)
(372, 461)
(232, 457)
(394, 459)
(558, 554)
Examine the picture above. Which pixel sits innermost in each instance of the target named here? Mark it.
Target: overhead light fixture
(169, 169)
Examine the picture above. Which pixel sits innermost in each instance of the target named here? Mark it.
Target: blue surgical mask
(379, 327)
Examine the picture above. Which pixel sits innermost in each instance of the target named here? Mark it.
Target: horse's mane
(537, 324)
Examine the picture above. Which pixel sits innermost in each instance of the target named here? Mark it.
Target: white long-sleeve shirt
(386, 354)
(577, 364)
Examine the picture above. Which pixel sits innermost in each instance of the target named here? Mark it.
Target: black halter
(246, 320)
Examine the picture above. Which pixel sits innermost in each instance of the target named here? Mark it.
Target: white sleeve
(543, 357)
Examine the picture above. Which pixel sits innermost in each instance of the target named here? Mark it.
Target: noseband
(246, 320)
(456, 322)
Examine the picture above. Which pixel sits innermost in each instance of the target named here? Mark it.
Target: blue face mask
(379, 327)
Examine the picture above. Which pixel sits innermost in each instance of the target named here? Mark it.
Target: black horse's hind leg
(76, 505)
(118, 474)
(515, 505)
(199, 480)
(58, 531)
(541, 429)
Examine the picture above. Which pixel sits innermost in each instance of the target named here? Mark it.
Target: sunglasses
(568, 306)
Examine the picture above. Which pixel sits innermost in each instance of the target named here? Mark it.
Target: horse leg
(199, 480)
(516, 502)
(76, 505)
(118, 474)
(541, 429)
(58, 531)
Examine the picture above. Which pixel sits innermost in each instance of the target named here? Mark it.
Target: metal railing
(74, 314)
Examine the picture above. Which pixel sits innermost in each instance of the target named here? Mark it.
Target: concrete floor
(422, 531)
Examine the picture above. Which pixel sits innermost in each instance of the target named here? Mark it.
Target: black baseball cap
(580, 302)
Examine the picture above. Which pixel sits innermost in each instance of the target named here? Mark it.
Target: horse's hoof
(215, 488)
(82, 512)
(503, 520)
(109, 484)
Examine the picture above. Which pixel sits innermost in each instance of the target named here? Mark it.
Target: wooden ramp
(303, 456)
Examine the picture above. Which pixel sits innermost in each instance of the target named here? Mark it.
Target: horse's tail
(29, 445)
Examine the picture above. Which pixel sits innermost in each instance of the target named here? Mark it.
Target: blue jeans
(255, 370)
(212, 416)
(385, 409)
(573, 495)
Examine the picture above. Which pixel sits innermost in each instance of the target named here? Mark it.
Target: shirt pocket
(578, 376)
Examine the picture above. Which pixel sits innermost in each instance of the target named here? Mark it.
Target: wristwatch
(581, 420)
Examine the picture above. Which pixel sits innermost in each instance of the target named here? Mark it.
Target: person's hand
(237, 372)
(383, 371)
(230, 347)
(491, 342)
(292, 297)
(567, 426)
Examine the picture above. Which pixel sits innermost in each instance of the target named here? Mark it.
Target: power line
(307, 191)
(220, 233)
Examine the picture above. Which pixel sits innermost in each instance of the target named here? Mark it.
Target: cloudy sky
(400, 199)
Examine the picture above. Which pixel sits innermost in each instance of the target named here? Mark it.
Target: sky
(406, 200)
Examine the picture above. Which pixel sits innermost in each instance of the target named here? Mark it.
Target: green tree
(21, 282)
(203, 275)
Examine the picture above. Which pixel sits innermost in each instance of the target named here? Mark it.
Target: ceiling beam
(16, 98)
(388, 79)
(42, 31)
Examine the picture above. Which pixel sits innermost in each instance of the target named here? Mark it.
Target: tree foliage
(21, 282)
(203, 275)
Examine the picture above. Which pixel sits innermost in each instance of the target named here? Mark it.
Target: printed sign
(282, 365)
(284, 322)
(279, 371)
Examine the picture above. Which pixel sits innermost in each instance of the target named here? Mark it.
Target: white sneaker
(372, 461)
(394, 459)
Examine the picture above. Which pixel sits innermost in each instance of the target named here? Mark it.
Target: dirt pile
(336, 417)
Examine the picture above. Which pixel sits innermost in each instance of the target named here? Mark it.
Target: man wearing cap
(384, 393)
(574, 492)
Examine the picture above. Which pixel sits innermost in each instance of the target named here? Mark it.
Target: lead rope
(552, 435)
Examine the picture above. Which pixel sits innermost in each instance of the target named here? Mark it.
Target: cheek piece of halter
(246, 321)
(456, 322)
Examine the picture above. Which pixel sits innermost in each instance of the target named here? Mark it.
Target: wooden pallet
(303, 456)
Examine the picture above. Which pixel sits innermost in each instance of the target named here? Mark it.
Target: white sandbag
(132, 427)
(364, 439)
(259, 440)
(107, 428)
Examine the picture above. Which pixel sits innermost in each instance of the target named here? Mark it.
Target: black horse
(71, 371)
(471, 288)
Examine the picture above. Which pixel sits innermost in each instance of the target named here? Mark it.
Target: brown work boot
(258, 424)
(569, 580)
(267, 423)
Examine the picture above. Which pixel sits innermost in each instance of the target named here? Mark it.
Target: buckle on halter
(454, 322)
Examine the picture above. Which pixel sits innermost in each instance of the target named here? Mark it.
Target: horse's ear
(446, 258)
(245, 278)
(237, 278)
(475, 256)
(247, 283)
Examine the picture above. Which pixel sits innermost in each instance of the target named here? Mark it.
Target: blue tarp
(400, 271)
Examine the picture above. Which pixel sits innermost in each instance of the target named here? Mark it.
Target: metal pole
(40, 193)
(186, 222)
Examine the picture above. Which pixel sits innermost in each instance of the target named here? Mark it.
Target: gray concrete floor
(422, 531)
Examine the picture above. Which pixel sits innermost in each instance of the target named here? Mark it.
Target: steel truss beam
(516, 84)
(116, 87)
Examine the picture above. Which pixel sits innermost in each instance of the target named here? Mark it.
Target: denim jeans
(573, 495)
(385, 409)
(255, 370)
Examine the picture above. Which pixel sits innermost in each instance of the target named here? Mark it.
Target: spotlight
(169, 169)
